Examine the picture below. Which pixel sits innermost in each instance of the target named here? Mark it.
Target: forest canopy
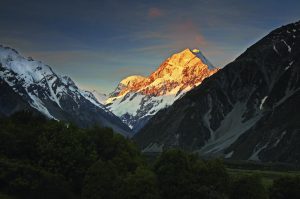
(47, 159)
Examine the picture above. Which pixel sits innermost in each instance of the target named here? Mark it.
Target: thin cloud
(174, 36)
(188, 33)
(152, 48)
(155, 12)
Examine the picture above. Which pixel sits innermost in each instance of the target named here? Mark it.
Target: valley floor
(268, 176)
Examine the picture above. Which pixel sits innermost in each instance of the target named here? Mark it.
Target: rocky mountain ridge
(38, 87)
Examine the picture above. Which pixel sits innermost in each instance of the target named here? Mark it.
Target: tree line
(47, 159)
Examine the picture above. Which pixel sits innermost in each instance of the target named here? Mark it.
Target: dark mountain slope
(247, 110)
(10, 102)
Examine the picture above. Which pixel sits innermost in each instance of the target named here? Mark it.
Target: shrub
(248, 187)
(285, 188)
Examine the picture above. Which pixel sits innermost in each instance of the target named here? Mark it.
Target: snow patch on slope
(288, 46)
(154, 148)
(231, 128)
(262, 102)
(257, 150)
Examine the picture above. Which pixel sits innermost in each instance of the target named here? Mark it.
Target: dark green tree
(102, 181)
(210, 179)
(216, 176)
(142, 184)
(182, 175)
(285, 188)
(248, 187)
(173, 170)
(26, 181)
(62, 151)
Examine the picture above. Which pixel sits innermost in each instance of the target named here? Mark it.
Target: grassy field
(267, 171)
(267, 176)
(4, 196)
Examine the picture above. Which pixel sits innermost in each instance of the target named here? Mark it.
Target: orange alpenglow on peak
(181, 71)
(138, 98)
(182, 57)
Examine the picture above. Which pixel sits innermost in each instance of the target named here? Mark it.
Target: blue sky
(97, 43)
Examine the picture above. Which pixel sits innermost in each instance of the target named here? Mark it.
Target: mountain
(136, 99)
(27, 84)
(100, 97)
(248, 110)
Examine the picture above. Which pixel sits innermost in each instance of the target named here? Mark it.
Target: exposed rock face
(247, 110)
(137, 98)
(11, 102)
(29, 84)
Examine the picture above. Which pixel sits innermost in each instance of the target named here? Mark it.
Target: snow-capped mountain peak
(101, 97)
(138, 98)
(131, 80)
(55, 96)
